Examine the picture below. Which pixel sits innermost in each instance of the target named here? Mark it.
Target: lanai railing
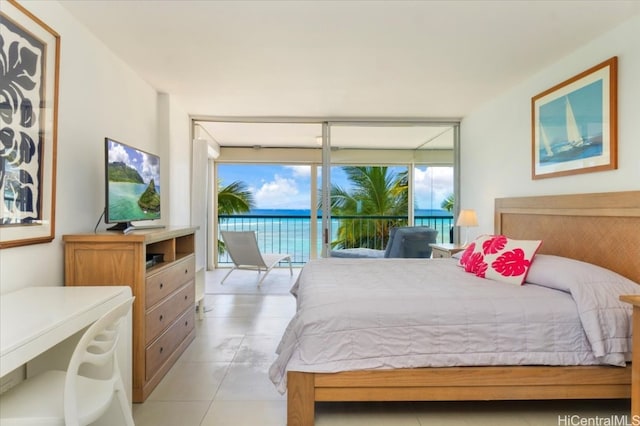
(292, 233)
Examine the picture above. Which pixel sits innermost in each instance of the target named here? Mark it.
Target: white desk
(40, 326)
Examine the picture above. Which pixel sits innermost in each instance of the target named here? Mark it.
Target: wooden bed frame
(603, 229)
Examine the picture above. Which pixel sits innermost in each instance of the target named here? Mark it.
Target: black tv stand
(121, 226)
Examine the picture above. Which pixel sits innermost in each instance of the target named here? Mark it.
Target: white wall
(178, 152)
(99, 96)
(496, 139)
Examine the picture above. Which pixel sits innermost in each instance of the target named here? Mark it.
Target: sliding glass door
(384, 175)
(371, 175)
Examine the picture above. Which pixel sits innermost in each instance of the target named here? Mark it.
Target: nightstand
(443, 250)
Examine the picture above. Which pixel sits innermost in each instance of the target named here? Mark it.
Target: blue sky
(147, 165)
(288, 187)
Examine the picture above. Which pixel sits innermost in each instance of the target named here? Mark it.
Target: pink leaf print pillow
(466, 255)
(470, 253)
(512, 263)
(494, 244)
(499, 258)
(474, 262)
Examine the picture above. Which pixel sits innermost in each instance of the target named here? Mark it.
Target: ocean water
(123, 202)
(289, 230)
(594, 150)
(307, 212)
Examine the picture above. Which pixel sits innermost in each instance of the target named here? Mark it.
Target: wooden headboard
(602, 228)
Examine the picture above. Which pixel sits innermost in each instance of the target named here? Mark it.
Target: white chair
(242, 247)
(70, 398)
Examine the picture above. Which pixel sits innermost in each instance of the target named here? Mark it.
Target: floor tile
(246, 381)
(278, 281)
(221, 326)
(518, 413)
(257, 350)
(366, 414)
(191, 381)
(541, 413)
(173, 413)
(259, 413)
(283, 306)
(269, 326)
(212, 348)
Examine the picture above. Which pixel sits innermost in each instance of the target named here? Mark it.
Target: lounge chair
(243, 249)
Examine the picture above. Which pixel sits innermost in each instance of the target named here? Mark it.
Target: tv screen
(132, 185)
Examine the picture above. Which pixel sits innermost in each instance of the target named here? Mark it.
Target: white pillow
(596, 291)
(560, 272)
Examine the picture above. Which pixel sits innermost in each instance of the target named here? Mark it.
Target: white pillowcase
(596, 291)
(560, 272)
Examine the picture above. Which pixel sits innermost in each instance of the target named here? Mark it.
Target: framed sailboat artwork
(574, 124)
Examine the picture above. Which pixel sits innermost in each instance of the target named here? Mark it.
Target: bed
(602, 229)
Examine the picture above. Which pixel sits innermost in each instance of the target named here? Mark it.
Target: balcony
(292, 234)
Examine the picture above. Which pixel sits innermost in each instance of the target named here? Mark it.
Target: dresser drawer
(163, 315)
(160, 350)
(164, 282)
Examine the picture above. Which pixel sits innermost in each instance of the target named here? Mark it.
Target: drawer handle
(161, 317)
(161, 349)
(186, 323)
(186, 271)
(161, 285)
(185, 297)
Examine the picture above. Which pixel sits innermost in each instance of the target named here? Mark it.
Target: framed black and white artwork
(29, 67)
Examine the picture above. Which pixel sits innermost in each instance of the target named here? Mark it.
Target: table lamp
(467, 218)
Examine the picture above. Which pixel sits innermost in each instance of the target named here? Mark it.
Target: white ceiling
(393, 59)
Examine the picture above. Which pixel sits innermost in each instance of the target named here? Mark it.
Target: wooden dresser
(164, 309)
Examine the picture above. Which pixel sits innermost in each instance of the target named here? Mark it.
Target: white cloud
(300, 171)
(432, 186)
(117, 154)
(278, 193)
(150, 169)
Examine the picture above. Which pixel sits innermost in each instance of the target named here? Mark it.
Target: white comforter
(356, 314)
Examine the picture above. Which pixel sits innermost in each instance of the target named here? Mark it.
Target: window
(281, 165)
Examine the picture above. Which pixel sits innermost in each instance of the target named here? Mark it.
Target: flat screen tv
(132, 178)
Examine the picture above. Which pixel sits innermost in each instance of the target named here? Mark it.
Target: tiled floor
(221, 380)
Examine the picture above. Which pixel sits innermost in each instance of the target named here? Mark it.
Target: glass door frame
(327, 124)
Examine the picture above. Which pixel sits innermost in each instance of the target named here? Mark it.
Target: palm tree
(233, 198)
(447, 203)
(376, 192)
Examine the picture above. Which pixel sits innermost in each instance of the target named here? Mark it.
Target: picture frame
(574, 124)
(28, 127)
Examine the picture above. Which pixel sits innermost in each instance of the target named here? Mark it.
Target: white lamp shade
(467, 218)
